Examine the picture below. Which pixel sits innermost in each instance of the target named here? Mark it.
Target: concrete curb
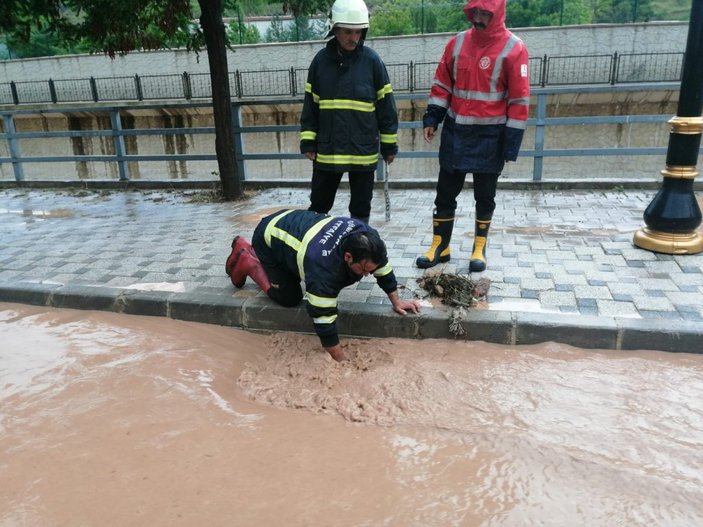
(258, 313)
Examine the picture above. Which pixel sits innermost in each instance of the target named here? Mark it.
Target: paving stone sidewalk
(561, 263)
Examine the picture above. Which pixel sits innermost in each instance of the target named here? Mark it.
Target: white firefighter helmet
(352, 14)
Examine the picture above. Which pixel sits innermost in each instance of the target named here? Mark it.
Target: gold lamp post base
(663, 242)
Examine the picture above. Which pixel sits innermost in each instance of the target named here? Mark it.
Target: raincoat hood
(496, 27)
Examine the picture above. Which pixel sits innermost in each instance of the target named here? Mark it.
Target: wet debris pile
(457, 291)
(454, 290)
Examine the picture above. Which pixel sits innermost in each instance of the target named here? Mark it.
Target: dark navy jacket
(310, 245)
(348, 110)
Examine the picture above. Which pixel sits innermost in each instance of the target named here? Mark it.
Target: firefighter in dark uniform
(326, 253)
(348, 111)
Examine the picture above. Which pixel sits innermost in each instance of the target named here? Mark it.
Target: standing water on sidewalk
(111, 419)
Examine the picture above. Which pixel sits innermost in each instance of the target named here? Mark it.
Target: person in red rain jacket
(480, 93)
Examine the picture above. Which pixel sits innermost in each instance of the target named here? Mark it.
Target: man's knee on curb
(286, 295)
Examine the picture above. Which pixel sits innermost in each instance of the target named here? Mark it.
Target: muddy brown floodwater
(115, 420)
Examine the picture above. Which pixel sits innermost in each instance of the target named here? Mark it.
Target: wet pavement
(561, 263)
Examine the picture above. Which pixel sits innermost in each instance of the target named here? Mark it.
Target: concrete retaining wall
(649, 37)
(653, 102)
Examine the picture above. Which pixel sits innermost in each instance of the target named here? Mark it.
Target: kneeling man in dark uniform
(326, 253)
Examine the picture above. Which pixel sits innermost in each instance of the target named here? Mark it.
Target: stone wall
(568, 40)
(649, 37)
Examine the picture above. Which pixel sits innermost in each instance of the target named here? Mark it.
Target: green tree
(242, 33)
(392, 19)
(127, 25)
(306, 7)
(621, 11)
(408, 17)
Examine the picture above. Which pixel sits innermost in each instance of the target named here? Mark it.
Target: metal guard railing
(409, 77)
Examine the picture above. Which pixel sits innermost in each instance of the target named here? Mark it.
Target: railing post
(539, 137)
(543, 72)
(120, 150)
(293, 90)
(187, 89)
(52, 91)
(238, 84)
(237, 139)
(614, 68)
(15, 95)
(13, 146)
(411, 76)
(94, 89)
(138, 87)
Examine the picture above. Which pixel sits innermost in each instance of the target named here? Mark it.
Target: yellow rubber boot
(439, 250)
(478, 261)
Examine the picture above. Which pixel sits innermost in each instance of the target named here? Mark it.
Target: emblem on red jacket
(484, 63)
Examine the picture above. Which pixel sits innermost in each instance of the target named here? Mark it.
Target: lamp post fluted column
(674, 214)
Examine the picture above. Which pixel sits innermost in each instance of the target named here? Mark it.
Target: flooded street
(116, 420)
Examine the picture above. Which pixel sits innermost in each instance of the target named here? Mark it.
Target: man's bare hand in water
(336, 352)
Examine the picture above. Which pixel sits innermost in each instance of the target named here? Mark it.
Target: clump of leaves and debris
(454, 290)
(457, 291)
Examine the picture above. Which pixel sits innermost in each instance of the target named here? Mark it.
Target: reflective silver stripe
(468, 119)
(442, 85)
(520, 100)
(455, 54)
(346, 104)
(516, 123)
(271, 226)
(300, 257)
(324, 320)
(509, 45)
(383, 271)
(443, 103)
(346, 159)
(479, 95)
(321, 301)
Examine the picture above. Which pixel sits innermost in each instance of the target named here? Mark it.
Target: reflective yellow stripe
(347, 159)
(321, 301)
(383, 271)
(272, 225)
(325, 320)
(306, 241)
(346, 104)
(308, 89)
(308, 135)
(380, 94)
(389, 138)
(285, 237)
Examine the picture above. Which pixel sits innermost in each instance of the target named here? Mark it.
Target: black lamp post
(674, 214)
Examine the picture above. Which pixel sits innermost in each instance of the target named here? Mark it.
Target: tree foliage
(306, 7)
(126, 25)
(537, 13)
(300, 29)
(409, 17)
